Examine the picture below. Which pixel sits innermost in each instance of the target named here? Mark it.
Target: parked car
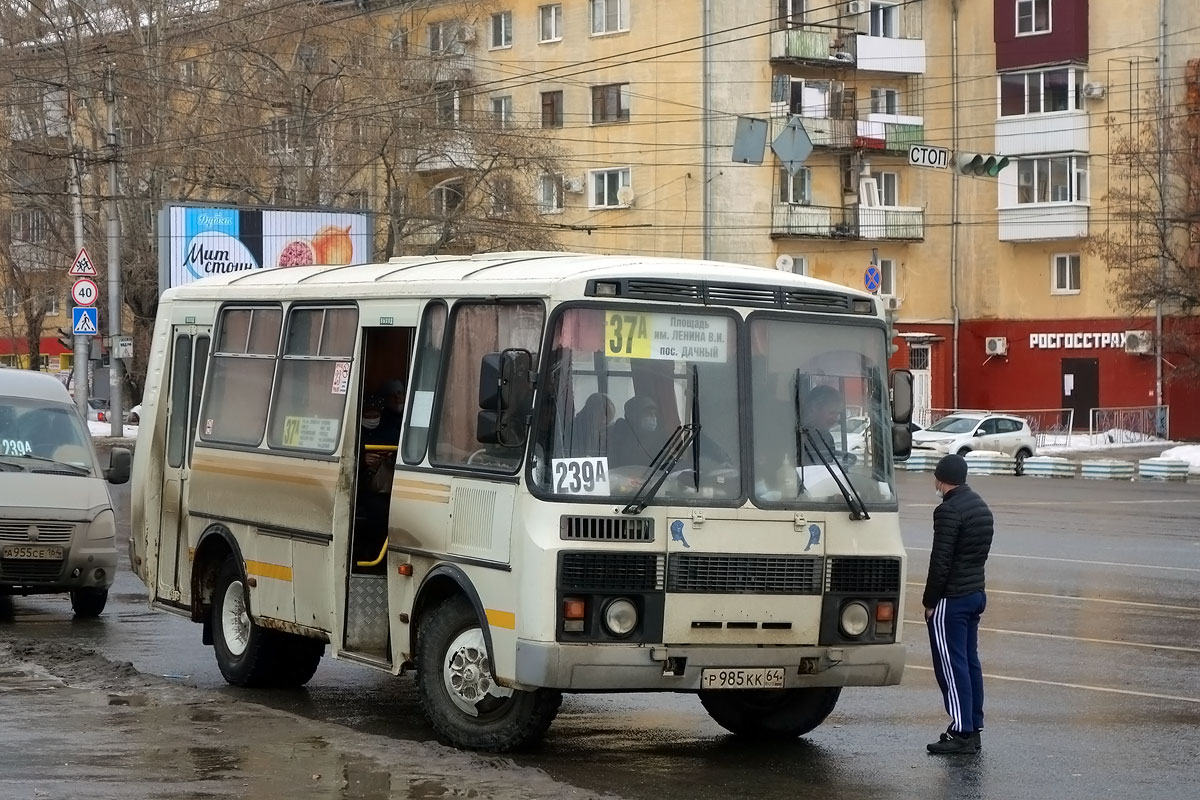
(856, 433)
(964, 431)
(134, 415)
(57, 527)
(97, 410)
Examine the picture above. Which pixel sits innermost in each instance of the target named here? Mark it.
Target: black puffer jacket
(962, 537)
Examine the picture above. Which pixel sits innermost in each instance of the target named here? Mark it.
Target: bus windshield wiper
(662, 464)
(696, 423)
(858, 509)
(31, 457)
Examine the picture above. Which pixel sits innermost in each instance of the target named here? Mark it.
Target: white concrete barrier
(1107, 469)
(1163, 469)
(922, 461)
(1050, 467)
(990, 462)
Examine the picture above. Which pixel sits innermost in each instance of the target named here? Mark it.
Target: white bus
(608, 473)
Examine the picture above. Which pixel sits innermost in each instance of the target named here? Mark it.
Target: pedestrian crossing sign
(83, 321)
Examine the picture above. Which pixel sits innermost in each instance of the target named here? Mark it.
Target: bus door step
(367, 614)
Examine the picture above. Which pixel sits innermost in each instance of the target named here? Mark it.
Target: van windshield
(35, 429)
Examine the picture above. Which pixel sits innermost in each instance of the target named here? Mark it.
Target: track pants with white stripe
(954, 641)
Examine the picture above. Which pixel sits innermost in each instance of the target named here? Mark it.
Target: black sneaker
(953, 743)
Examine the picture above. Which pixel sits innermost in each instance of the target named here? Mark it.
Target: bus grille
(610, 572)
(744, 574)
(863, 575)
(47, 532)
(21, 571)
(606, 529)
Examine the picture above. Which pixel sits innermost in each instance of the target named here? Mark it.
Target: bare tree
(1151, 244)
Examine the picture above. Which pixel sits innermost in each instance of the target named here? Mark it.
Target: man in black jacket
(954, 600)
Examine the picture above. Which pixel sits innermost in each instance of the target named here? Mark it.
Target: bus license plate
(765, 678)
(34, 552)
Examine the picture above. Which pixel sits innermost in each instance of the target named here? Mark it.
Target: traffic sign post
(84, 292)
(792, 146)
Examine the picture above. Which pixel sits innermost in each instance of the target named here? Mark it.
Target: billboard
(200, 241)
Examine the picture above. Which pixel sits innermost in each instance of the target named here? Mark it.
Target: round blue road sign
(872, 278)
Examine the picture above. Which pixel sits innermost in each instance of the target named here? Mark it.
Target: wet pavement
(1090, 644)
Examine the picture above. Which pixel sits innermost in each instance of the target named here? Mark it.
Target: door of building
(919, 362)
(1081, 388)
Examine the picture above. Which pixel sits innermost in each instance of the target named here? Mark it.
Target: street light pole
(115, 405)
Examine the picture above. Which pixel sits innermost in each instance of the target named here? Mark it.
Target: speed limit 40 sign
(84, 292)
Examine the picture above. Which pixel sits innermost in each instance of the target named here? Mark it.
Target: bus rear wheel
(770, 713)
(458, 694)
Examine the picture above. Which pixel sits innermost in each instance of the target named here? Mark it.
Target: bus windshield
(621, 383)
(820, 427)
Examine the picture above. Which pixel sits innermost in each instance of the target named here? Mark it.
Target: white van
(57, 527)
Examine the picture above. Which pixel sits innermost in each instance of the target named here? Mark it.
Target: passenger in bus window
(393, 410)
(589, 432)
(375, 473)
(637, 437)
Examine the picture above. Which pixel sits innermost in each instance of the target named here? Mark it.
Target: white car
(964, 431)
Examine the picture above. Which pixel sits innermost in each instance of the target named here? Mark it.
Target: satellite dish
(625, 196)
(785, 263)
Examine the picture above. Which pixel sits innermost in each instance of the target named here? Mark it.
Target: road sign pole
(115, 404)
(80, 359)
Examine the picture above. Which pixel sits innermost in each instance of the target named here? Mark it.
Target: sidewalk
(74, 724)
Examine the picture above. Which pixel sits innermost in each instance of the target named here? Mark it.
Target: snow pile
(1113, 439)
(1189, 453)
(105, 429)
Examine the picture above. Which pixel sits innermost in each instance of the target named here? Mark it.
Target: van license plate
(34, 552)
(766, 678)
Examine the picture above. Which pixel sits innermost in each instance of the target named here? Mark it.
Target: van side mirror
(505, 391)
(119, 462)
(902, 396)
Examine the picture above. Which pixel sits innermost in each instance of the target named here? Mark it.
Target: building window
(398, 44)
(550, 194)
(885, 101)
(791, 13)
(448, 106)
(1033, 16)
(795, 189)
(887, 277)
(283, 135)
(503, 194)
(1066, 274)
(10, 301)
(610, 103)
(849, 174)
(51, 306)
(1041, 92)
(447, 198)
(885, 20)
(307, 56)
(443, 36)
(610, 16)
(1057, 179)
(918, 357)
(552, 109)
(502, 111)
(28, 226)
(550, 23)
(607, 185)
(189, 72)
(889, 189)
(502, 29)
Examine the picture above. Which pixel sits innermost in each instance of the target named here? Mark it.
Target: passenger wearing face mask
(637, 438)
(393, 410)
(375, 469)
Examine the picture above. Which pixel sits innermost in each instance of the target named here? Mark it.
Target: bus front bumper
(591, 667)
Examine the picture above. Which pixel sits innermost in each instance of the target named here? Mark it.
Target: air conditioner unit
(465, 33)
(1139, 342)
(996, 346)
(573, 185)
(891, 303)
(1093, 90)
(855, 7)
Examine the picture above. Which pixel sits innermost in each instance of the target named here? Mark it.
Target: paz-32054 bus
(523, 474)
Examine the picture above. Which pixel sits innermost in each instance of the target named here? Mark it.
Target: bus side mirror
(119, 461)
(902, 396)
(505, 390)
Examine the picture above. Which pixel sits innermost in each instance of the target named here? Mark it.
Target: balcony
(855, 222)
(894, 137)
(1037, 222)
(893, 41)
(820, 45)
(449, 151)
(1060, 132)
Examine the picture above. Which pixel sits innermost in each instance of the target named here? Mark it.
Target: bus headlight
(620, 617)
(855, 619)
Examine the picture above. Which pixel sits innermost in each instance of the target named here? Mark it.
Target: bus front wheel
(246, 653)
(458, 694)
(762, 713)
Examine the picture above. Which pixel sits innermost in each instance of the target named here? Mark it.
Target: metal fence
(1050, 426)
(1128, 424)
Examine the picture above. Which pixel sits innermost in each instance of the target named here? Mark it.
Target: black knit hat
(952, 469)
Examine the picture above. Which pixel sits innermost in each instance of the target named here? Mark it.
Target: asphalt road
(1090, 646)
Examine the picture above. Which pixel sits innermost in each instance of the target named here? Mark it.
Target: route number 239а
(581, 476)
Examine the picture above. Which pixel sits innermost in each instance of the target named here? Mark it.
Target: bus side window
(424, 383)
(243, 371)
(476, 330)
